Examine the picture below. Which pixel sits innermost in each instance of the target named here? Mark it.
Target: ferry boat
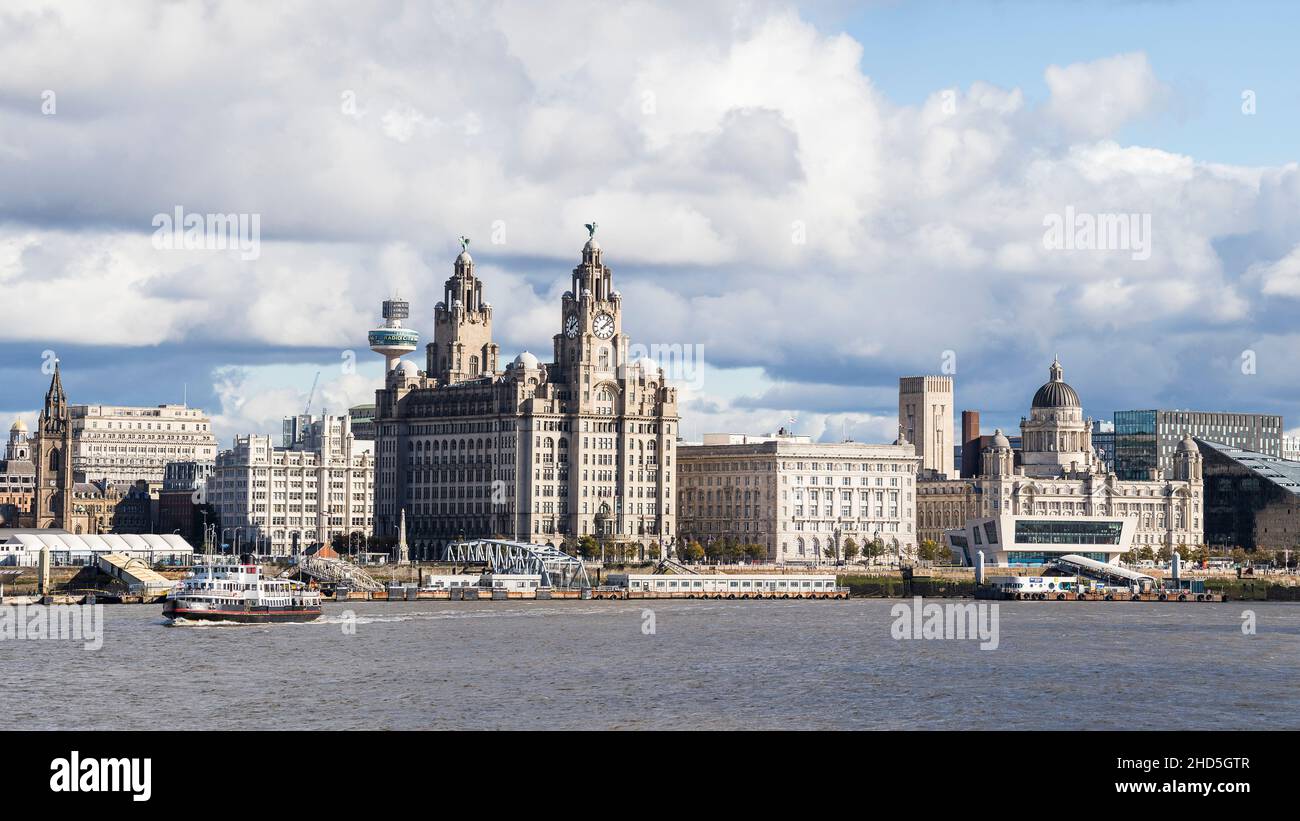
(225, 589)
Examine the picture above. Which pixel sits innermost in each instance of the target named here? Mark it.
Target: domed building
(1056, 438)
(527, 450)
(1056, 496)
(17, 477)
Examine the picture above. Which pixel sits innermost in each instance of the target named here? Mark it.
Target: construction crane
(312, 395)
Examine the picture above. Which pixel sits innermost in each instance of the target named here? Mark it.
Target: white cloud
(702, 138)
(1094, 99)
(1280, 277)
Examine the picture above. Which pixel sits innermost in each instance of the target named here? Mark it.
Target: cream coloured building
(123, 444)
(797, 497)
(582, 445)
(1057, 474)
(925, 411)
(281, 500)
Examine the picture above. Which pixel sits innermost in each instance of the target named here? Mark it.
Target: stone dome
(1000, 440)
(18, 427)
(1187, 444)
(408, 369)
(464, 258)
(1055, 393)
(526, 360)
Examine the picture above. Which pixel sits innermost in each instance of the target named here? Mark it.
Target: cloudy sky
(809, 200)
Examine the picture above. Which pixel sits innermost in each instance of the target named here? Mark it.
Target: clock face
(604, 325)
(571, 327)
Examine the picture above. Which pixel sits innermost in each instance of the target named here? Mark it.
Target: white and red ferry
(225, 589)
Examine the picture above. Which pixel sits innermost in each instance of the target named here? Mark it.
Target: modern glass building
(1252, 500)
(1103, 442)
(1146, 440)
(1034, 540)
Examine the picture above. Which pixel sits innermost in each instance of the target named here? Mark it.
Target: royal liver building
(537, 451)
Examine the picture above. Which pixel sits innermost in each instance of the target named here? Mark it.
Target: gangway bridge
(333, 571)
(1103, 572)
(557, 568)
(674, 566)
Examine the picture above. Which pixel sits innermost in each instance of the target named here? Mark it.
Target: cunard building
(535, 451)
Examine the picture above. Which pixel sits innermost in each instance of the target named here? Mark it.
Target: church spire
(56, 400)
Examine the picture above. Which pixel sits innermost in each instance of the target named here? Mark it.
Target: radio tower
(392, 340)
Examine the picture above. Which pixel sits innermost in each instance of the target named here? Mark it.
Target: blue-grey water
(707, 665)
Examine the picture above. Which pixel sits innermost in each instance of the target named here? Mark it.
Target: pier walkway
(674, 566)
(334, 571)
(1110, 573)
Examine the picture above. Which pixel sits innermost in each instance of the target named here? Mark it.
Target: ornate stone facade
(1058, 473)
(580, 445)
(797, 497)
(17, 478)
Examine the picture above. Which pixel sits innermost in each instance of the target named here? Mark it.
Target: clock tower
(591, 347)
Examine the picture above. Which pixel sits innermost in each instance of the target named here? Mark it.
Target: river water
(706, 665)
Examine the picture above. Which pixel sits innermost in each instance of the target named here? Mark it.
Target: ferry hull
(257, 615)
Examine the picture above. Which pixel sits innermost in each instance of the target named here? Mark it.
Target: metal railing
(336, 571)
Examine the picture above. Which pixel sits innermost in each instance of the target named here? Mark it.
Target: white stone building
(282, 500)
(797, 497)
(123, 444)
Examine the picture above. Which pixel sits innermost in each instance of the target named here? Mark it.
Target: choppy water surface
(708, 665)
